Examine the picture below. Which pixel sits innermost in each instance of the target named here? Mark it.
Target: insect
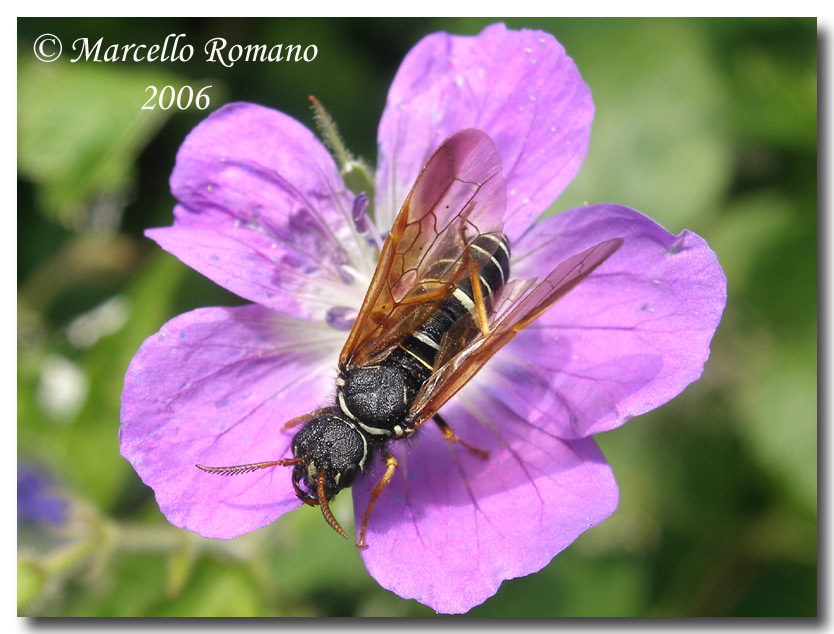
(439, 306)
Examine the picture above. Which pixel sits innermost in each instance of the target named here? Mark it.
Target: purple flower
(263, 212)
(38, 501)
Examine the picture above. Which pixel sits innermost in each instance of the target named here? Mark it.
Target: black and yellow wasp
(439, 306)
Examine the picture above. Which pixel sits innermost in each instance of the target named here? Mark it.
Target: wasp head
(332, 453)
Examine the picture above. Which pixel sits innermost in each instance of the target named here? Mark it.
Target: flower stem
(356, 174)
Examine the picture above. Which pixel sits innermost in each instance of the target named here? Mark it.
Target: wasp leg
(379, 487)
(478, 297)
(441, 292)
(475, 282)
(449, 435)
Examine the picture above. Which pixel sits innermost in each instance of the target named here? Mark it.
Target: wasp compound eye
(349, 475)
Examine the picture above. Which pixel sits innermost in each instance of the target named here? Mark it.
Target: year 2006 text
(182, 98)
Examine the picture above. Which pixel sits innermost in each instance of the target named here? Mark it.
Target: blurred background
(708, 125)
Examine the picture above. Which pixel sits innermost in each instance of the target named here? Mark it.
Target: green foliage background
(703, 124)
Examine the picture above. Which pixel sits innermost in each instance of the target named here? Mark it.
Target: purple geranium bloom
(264, 212)
(38, 501)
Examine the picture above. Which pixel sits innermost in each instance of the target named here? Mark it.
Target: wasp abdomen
(423, 344)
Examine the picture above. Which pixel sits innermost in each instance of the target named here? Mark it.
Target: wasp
(439, 306)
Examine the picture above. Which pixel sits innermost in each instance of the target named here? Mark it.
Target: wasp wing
(459, 195)
(451, 374)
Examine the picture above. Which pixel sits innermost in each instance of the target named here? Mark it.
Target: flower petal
(263, 212)
(518, 86)
(452, 526)
(213, 387)
(628, 339)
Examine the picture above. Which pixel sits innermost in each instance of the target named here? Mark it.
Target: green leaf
(776, 97)
(217, 590)
(80, 128)
(657, 141)
(780, 402)
(31, 583)
(95, 430)
(131, 586)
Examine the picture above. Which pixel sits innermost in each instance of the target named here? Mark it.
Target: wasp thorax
(376, 395)
(328, 444)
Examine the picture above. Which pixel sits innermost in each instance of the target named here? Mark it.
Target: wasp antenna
(246, 468)
(325, 508)
(298, 420)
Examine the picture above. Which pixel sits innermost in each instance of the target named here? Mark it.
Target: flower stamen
(341, 317)
(362, 220)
